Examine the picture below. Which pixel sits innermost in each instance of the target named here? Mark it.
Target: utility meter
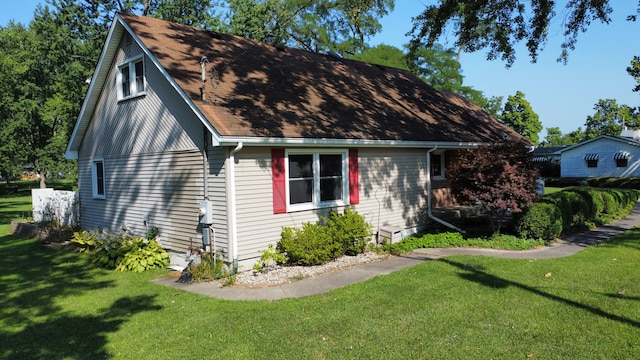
(205, 211)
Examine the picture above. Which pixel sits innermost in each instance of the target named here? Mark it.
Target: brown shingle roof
(261, 91)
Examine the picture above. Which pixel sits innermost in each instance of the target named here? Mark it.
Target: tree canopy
(610, 118)
(500, 177)
(500, 25)
(519, 115)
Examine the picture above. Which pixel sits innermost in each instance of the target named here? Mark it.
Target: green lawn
(54, 306)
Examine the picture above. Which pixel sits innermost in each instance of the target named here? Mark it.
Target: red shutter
(278, 181)
(354, 193)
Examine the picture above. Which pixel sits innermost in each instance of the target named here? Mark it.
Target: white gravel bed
(277, 275)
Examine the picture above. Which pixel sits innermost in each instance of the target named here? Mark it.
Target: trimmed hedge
(598, 182)
(573, 209)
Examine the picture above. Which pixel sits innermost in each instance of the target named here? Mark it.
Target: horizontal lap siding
(166, 186)
(153, 163)
(392, 193)
(393, 187)
(573, 164)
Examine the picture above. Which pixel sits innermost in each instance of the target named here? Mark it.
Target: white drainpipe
(429, 213)
(231, 192)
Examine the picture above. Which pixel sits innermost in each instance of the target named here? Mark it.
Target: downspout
(233, 224)
(205, 164)
(429, 213)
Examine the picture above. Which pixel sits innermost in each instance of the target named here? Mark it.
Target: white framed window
(130, 78)
(437, 166)
(98, 178)
(317, 179)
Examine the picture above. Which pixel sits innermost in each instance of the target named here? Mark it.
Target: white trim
(342, 143)
(94, 179)
(315, 196)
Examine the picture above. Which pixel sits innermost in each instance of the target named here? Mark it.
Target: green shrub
(350, 229)
(580, 207)
(311, 245)
(540, 221)
(319, 242)
(121, 252)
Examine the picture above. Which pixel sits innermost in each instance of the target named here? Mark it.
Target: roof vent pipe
(429, 213)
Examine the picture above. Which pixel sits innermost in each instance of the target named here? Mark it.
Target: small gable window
(130, 78)
(592, 160)
(622, 158)
(98, 178)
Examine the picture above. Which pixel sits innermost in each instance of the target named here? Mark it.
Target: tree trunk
(43, 180)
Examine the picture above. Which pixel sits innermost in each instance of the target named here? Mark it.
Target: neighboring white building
(611, 156)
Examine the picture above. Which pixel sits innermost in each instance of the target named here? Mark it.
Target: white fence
(60, 206)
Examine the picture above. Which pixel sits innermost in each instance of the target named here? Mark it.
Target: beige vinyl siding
(153, 162)
(393, 187)
(145, 124)
(392, 193)
(166, 186)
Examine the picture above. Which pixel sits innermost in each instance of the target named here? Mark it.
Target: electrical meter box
(205, 211)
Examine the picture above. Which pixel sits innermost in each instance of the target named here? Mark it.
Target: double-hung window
(98, 178)
(130, 78)
(317, 179)
(305, 179)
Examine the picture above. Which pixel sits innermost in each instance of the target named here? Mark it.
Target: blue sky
(562, 95)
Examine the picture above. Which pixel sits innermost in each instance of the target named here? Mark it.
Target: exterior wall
(392, 193)
(153, 163)
(573, 163)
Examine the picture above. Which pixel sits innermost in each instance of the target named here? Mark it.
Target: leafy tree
(189, 12)
(518, 114)
(382, 54)
(313, 25)
(634, 71)
(555, 137)
(609, 119)
(47, 65)
(500, 177)
(500, 25)
(13, 55)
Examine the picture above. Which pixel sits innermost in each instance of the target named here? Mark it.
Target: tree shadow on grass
(34, 281)
(67, 336)
(482, 277)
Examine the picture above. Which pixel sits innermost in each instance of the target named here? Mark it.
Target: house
(186, 129)
(546, 154)
(547, 160)
(605, 155)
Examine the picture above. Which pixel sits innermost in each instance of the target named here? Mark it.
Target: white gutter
(325, 142)
(231, 205)
(429, 213)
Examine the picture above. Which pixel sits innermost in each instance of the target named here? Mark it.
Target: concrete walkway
(337, 279)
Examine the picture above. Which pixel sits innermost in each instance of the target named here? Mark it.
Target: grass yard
(54, 306)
